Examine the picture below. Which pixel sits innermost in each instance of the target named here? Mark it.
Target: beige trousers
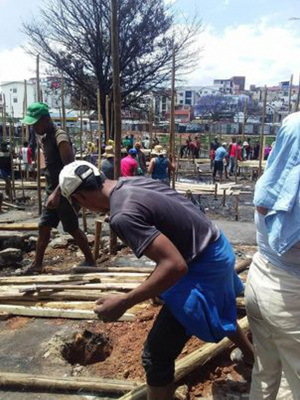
(273, 308)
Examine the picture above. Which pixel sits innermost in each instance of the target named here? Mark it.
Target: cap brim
(29, 120)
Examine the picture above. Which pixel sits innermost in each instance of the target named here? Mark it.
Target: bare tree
(74, 37)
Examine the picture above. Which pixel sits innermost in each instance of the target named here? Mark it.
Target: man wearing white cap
(194, 276)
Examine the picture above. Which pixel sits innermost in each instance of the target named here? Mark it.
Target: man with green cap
(58, 152)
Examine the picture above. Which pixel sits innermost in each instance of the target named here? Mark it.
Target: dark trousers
(218, 167)
(165, 342)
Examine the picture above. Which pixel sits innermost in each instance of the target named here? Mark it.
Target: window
(188, 101)
(188, 94)
(15, 90)
(181, 101)
(15, 100)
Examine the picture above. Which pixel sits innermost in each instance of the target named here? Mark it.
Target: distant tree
(74, 37)
(214, 105)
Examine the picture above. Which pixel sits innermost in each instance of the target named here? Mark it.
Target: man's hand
(111, 308)
(53, 200)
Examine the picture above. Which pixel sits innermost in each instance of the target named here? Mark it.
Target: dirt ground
(220, 378)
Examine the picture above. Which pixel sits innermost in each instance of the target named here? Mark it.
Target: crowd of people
(194, 276)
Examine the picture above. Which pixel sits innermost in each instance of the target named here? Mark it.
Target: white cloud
(16, 64)
(264, 53)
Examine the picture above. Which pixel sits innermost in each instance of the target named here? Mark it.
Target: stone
(10, 257)
(90, 238)
(59, 243)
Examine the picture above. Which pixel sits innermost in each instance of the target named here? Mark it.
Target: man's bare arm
(170, 268)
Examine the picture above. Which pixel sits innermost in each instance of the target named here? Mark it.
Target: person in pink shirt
(129, 164)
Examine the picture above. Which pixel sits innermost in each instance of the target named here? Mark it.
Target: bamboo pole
(22, 381)
(245, 120)
(38, 141)
(12, 150)
(290, 94)
(107, 128)
(261, 149)
(172, 127)
(150, 117)
(55, 313)
(26, 105)
(97, 239)
(117, 104)
(99, 128)
(84, 221)
(81, 126)
(4, 119)
(63, 109)
(298, 97)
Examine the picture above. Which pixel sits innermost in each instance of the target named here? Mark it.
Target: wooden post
(84, 220)
(11, 142)
(99, 128)
(107, 128)
(98, 229)
(236, 208)
(38, 141)
(151, 127)
(216, 191)
(290, 94)
(117, 103)
(4, 119)
(26, 105)
(81, 126)
(22, 180)
(298, 98)
(63, 109)
(261, 150)
(224, 198)
(244, 121)
(172, 133)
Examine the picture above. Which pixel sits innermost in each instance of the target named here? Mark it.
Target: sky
(252, 38)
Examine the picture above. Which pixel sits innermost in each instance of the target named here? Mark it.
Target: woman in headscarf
(273, 286)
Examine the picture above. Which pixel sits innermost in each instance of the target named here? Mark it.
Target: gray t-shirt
(142, 208)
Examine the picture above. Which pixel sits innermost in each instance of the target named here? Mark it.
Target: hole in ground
(87, 348)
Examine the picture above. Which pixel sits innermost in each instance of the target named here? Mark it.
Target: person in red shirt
(129, 164)
(233, 147)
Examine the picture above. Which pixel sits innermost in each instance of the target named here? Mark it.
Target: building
(234, 85)
(13, 93)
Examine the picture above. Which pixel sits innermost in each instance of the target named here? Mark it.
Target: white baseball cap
(70, 177)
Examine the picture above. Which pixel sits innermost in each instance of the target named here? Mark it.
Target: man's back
(128, 166)
(142, 208)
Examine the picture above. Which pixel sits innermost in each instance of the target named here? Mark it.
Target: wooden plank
(186, 365)
(55, 313)
(101, 277)
(19, 227)
(22, 381)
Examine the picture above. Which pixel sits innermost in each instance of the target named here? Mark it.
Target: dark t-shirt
(107, 167)
(53, 161)
(142, 208)
(5, 161)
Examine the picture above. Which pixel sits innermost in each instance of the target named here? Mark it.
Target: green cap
(34, 112)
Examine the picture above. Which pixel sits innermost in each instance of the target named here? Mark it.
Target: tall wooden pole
(99, 128)
(117, 101)
(38, 141)
(25, 106)
(298, 97)
(261, 149)
(290, 94)
(172, 133)
(4, 119)
(150, 127)
(107, 128)
(244, 120)
(12, 150)
(63, 109)
(81, 127)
